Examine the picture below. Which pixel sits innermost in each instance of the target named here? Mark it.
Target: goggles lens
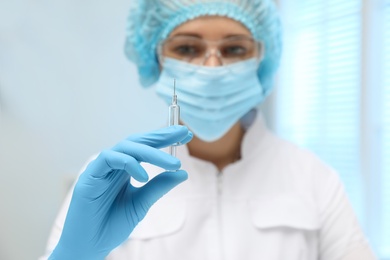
(196, 50)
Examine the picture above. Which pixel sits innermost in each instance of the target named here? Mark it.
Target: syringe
(174, 116)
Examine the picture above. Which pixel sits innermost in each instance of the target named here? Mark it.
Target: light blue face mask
(211, 99)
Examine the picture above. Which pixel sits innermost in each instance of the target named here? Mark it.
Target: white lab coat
(279, 202)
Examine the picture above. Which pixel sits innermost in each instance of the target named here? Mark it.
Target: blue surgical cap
(151, 21)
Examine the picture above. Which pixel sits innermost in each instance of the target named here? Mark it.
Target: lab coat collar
(254, 138)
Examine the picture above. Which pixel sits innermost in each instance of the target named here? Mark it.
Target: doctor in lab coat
(235, 190)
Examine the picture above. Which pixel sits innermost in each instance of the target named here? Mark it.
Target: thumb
(160, 185)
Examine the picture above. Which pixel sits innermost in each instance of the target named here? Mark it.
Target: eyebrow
(200, 36)
(236, 35)
(188, 34)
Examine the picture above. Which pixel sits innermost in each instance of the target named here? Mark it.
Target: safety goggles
(197, 51)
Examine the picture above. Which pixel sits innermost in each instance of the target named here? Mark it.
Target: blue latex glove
(105, 207)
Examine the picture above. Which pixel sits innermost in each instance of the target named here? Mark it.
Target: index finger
(163, 137)
(145, 153)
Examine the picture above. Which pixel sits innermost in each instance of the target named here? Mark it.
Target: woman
(249, 194)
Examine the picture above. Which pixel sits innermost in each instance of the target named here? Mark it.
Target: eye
(234, 50)
(186, 50)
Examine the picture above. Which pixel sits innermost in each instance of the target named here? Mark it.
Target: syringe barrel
(172, 150)
(174, 114)
(174, 117)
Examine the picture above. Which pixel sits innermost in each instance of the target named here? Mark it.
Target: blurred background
(67, 92)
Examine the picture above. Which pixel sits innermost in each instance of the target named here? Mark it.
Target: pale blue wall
(66, 92)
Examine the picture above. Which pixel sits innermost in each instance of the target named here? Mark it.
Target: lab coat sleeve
(56, 230)
(340, 235)
(58, 225)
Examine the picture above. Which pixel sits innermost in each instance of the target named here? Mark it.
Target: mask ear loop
(160, 58)
(261, 55)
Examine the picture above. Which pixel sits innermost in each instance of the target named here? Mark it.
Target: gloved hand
(105, 207)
